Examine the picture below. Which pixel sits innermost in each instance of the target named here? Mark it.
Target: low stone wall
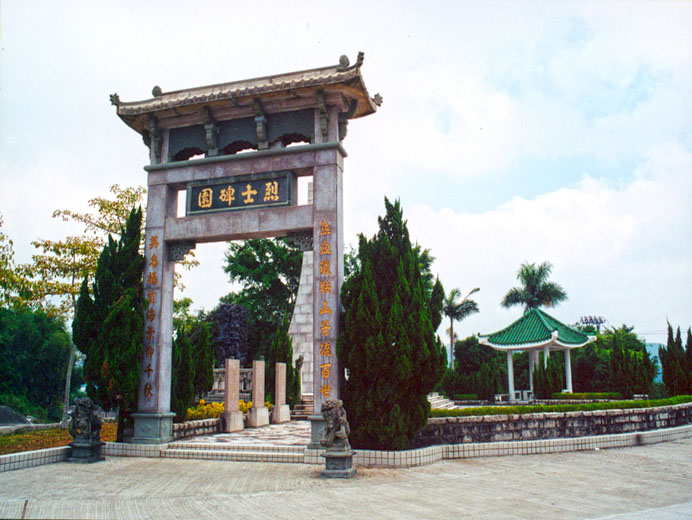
(192, 428)
(494, 428)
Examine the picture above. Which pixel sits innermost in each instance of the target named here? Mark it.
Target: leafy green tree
(457, 310)
(16, 289)
(388, 344)
(535, 291)
(269, 272)
(617, 361)
(109, 328)
(182, 376)
(34, 348)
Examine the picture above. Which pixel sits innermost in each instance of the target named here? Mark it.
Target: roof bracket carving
(154, 138)
(344, 117)
(260, 124)
(211, 131)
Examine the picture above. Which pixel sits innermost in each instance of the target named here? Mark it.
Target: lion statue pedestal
(85, 427)
(338, 455)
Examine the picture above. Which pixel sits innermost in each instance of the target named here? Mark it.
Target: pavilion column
(532, 366)
(546, 355)
(510, 375)
(568, 371)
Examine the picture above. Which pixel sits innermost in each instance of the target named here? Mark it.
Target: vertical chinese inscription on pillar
(151, 293)
(325, 312)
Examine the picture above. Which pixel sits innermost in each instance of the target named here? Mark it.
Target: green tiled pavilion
(534, 331)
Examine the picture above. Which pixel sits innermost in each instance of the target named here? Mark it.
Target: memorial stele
(237, 150)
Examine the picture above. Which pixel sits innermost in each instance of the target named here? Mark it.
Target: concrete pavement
(641, 482)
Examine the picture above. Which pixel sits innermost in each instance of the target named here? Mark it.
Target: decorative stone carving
(338, 456)
(229, 335)
(86, 419)
(336, 427)
(303, 240)
(178, 250)
(115, 99)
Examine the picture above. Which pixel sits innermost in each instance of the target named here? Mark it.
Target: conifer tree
(281, 351)
(203, 380)
(182, 376)
(109, 328)
(388, 345)
(676, 363)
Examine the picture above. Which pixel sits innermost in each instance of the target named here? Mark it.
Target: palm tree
(457, 310)
(536, 290)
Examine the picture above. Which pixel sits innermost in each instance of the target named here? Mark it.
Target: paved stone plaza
(640, 482)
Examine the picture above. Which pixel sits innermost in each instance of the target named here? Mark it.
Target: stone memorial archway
(232, 195)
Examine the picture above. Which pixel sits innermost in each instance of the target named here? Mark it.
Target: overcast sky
(511, 131)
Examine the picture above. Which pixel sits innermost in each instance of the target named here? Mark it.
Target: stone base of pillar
(232, 422)
(153, 428)
(316, 430)
(281, 414)
(257, 417)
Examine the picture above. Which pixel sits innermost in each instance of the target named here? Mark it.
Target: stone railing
(192, 428)
(494, 428)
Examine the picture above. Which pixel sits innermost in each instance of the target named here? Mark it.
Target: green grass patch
(588, 395)
(547, 408)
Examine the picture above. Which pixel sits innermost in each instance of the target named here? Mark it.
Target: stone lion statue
(86, 419)
(336, 428)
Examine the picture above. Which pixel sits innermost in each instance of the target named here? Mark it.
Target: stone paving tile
(634, 483)
(294, 433)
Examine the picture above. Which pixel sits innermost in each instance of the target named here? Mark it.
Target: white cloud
(610, 246)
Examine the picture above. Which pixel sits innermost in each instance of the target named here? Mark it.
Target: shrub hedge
(546, 408)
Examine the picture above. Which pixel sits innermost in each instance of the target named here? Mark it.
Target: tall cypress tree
(676, 363)
(182, 376)
(281, 351)
(109, 328)
(203, 355)
(388, 344)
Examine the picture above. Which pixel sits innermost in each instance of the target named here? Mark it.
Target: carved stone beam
(260, 124)
(211, 132)
(301, 239)
(155, 137)
(178, 250)
(324, 116)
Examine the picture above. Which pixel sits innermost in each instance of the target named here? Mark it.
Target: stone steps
(237, 456)
(304, 409)
(234, 452)
(438, 402)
